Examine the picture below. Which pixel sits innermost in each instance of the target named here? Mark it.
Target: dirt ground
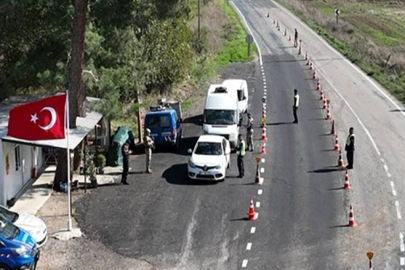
(83, 253)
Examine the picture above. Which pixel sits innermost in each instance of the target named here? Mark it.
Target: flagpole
(68, 160)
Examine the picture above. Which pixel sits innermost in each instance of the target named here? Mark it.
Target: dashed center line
(262, 170)
(402, 261)
(386, 167)
(257, 204)
(249, 246)
(394, 192)
(244, 263)
(253, 230)
(398, 210)
(260, 192)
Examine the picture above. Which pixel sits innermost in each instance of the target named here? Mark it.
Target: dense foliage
(132, 47)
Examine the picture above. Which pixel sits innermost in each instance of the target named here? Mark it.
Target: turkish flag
(39, 120)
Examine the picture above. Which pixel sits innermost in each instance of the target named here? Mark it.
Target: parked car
(221, 113)
(164, 122)
(210, 158)
(30, 223)
(18, 250)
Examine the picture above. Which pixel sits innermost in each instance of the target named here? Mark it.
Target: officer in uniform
(249, 133)
(240, 152)
(125, 162)
(296, 103)
(149, 145)
(349, 147)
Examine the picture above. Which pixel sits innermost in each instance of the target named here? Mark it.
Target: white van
(241, 89)
(221, 113)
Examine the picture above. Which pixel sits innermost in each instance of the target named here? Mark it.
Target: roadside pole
(337, 13)
(249, 40)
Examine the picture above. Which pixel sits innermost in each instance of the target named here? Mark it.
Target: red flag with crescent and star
(39, 120)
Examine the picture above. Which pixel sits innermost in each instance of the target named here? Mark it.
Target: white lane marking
(402, 261)
(250, 31)
(344, 58)
(389, 175)
(264, 83)
(401, 242)
(354, 113)
(244, 263)
(253, 230)
(264, 79)
(262, 170)
(398, 210)
(249, 246)
(394, 192)
(385, 167)
(264, 86)
(382, 160)
(257, 204)
(263, 160)
(260, 191)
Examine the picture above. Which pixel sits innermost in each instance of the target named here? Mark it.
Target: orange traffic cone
(314, 75)
(328, 116)
(306, 55)
(340, 160)
(352, 223)
(336, 147)
(310, 66)
(332, 131)
(264, 136)
(321, 96)
(318, 85)
(263, 148)
(252, 215)
(324, 104)
(307, 62)
(347, 183)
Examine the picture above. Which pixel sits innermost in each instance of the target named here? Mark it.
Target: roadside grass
(371, 35)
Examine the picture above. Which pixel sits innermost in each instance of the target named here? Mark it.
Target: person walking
(240, 152)
(295, 38)
(125, 162)
(349, 147)
(149, 145)
(296, 103)
(249, 133)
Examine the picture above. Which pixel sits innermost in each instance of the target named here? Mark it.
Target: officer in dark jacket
(125, 162)
(349, 147)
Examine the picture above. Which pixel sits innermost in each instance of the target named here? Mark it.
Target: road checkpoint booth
(21, 161)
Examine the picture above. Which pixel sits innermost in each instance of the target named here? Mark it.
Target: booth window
(17, 157)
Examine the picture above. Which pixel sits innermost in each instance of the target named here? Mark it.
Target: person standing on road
(125, 162)
(296, 103)
(350, 148)
(149, 145)
(249, 133)
(295, 38)
(240, 152)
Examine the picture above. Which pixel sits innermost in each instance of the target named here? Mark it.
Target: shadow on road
(339, 226)
(177, 175)
(334, 189)
(279, 123)
(196, 120)
(327, 169)
(396, 110)
(186, 143)
(239, 219)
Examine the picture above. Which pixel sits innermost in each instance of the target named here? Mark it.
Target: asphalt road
(174, 223)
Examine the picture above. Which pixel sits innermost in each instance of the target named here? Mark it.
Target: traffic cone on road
(318, 85)
(264, 136)
(340, 160)
(347, 183)
(314, 75)
(252, 215)
(258, 178)
(306, 55)
(328, 116)
(332, 131)
(324, 104)
(263, 148)
(352, 223)
(310, 66)
(321, 96)
(307, 62)
(336, 147)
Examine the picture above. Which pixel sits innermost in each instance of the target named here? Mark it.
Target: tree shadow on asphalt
(177, 175)
(396, 110)
(328, 169)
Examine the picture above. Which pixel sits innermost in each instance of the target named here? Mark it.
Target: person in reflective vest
(240, 152)
(296, 103)
(249, 133)
(349, 147)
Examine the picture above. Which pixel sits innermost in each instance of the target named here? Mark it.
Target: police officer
(296, 103)
(349, 147)
(125, 162)
(295, 38)
(149, 145)
(249, 133)
(240, 152)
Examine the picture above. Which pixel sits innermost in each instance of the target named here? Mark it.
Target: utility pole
(198, 19)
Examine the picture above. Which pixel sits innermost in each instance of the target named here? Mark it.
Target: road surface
(174, 223)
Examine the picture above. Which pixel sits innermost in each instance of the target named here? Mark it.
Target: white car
(210, 158)
(30, 223)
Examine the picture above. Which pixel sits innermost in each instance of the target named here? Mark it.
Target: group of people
(149, 146)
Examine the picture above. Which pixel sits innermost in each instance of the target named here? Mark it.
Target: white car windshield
(208, 148)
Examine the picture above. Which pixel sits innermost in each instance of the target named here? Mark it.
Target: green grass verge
(395, 85)
(235, 49)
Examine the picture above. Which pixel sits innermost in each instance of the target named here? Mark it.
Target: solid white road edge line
(344, 58)
(250, 31)
(398, 211)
